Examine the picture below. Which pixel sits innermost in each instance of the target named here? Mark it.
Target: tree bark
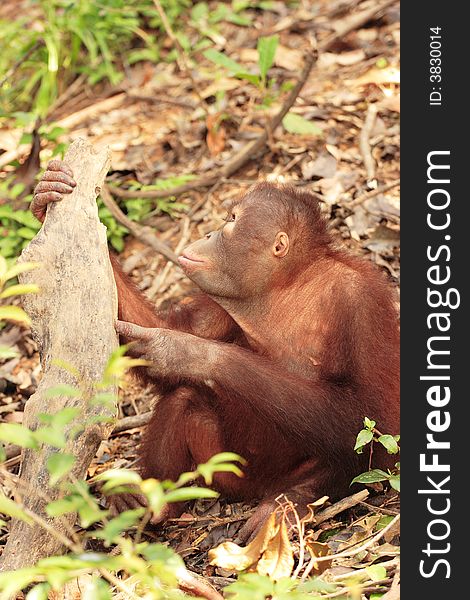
(73, 321)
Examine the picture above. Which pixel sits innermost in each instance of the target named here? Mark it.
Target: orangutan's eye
(230, 218)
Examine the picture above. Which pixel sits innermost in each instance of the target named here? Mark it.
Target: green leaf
(266, 51)
(383, 522)
(373, 476)
(17, 290)
(222, 60)
(368, 423)
(223, 457)
(199, 11)
(117, 242)
(189, 493)
(14, 313)
(64, 505)
(26, 233)
(12, 582)
(53, 436)
(122, 523)
(3, 265)
(107, 399)
(376, 572)
(395, 482)
(10, 508)
(158, 553)
(207, 470)
(20, 268)
(363, 438)
(153, 491)
(118, 477)
(59, 465)
(14, 433)
(251, 586)
(97, 589)
(90, 513)
(6, 353)
(39, 592)
(389, 443)
(294, 123)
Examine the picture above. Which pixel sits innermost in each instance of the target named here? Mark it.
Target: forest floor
(158, 126)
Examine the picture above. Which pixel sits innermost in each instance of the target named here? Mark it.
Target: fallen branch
(132, 422)
(339, 507)
(72, 320)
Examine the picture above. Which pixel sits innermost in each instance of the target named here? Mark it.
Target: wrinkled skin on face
(240, 259)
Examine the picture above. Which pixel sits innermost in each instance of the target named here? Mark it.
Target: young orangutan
(292, 342)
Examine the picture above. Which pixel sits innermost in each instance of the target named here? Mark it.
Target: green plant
(267, 46)
(49, 132)
(8, 289)
(155, 569)
(251, 586)
(18, 227)
(60, 39)
(266, 52)
(368, 437)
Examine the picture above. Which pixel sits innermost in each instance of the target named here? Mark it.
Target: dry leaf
(313, 508)
(324, 166)
(248, 55)
(287, 58)
(379, 76)
(331, 188)
(232, 556)
(391, 102)
(215, 134)
(317, 549)
(350, 58)
(225, 84)
(278, 558)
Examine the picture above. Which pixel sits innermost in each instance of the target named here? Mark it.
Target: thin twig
(354, 21)
(132, 422)
(341, 506)
(161, 277)
(20, 485)
(368, 195)
(155, 99)
(364, 144)
(119, 584)
(382, 509)
(191, 583)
